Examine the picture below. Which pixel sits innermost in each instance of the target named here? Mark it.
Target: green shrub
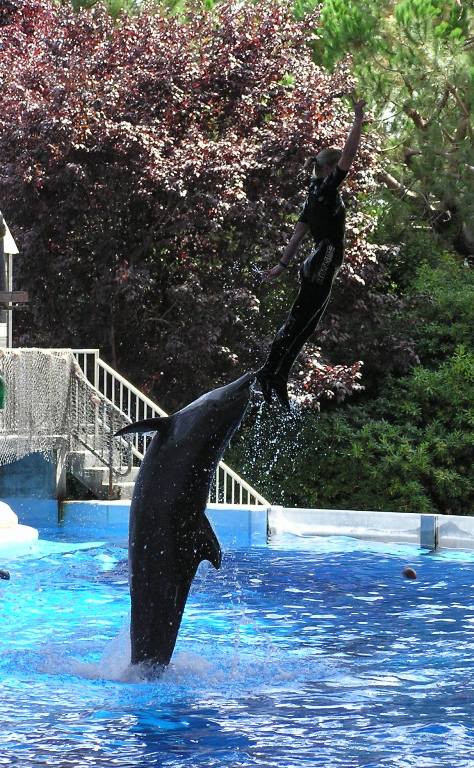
(411, 450)
(446, 310)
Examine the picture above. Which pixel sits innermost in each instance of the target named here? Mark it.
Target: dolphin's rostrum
(169, 532)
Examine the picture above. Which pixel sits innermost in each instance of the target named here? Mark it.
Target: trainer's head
(324, 162)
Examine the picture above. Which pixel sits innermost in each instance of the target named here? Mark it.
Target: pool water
(307, 652)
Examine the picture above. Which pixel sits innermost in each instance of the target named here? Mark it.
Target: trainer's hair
(327, 156)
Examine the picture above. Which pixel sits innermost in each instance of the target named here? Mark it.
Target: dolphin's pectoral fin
(198, 542)
(157, 424)
(210, 547)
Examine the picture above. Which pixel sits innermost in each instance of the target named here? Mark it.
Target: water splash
(269, 445)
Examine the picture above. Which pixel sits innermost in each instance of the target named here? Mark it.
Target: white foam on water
(114, 663)
(217, 670)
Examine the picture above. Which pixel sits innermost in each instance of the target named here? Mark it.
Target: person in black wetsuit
(323, 215)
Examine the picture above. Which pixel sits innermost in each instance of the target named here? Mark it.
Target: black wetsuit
(324, 214)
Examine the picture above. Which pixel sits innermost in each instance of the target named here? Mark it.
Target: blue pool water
(307, 652)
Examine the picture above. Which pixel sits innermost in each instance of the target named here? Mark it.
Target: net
(50, 405)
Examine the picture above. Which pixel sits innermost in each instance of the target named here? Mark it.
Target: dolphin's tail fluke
(146, 426)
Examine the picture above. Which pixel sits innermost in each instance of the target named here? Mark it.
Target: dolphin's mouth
(244, 381)
(239, 391)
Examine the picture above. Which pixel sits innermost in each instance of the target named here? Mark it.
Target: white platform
(12, 534)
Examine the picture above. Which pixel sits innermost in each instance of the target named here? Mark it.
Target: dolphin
(169, 533)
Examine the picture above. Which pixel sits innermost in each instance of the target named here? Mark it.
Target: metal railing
(228, 487)
(94, 422)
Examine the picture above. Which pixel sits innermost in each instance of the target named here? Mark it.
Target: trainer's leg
(318, 271)
(298, 317)
(288, 360)
(317, 276)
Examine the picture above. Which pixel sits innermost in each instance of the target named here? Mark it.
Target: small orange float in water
(409, 573)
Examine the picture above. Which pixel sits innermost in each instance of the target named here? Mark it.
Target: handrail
(222, 493)
(95, 423)
(228, 486)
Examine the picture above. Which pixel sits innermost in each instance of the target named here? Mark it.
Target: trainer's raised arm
(352, 142)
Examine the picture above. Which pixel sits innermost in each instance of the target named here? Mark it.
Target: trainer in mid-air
(323, 215)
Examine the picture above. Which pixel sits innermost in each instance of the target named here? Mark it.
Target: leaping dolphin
(169, 532)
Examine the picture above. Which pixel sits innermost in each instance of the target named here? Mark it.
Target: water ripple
(306, 653)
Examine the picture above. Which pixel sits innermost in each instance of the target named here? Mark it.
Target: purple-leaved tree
(147, 164)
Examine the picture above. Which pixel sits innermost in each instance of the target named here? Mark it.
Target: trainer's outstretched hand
(272, 274)
(359, 108)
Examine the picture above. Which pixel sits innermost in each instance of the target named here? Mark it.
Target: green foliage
(347, 27)
(446, 18)
(385, 27)
(414, 242)
(446, 308)
(114, 7)
(411, 450)
(303, 7)
(135, 7)
(414, 62)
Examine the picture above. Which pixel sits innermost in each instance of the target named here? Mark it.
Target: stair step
(94, 472)
(82, 460)
(126, 490)
(83, 464)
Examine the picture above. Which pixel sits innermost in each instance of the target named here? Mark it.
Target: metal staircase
(109, 467)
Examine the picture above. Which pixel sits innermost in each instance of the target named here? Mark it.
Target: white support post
(10, 289)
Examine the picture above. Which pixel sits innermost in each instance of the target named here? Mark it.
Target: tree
(148, 165)
(414, 60)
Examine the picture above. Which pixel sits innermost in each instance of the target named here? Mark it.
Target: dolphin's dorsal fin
(157, 424)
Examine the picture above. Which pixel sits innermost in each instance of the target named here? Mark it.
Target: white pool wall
(455, 532)
(235, 526)
(246, 525)
(390, 526)
(428, 531)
